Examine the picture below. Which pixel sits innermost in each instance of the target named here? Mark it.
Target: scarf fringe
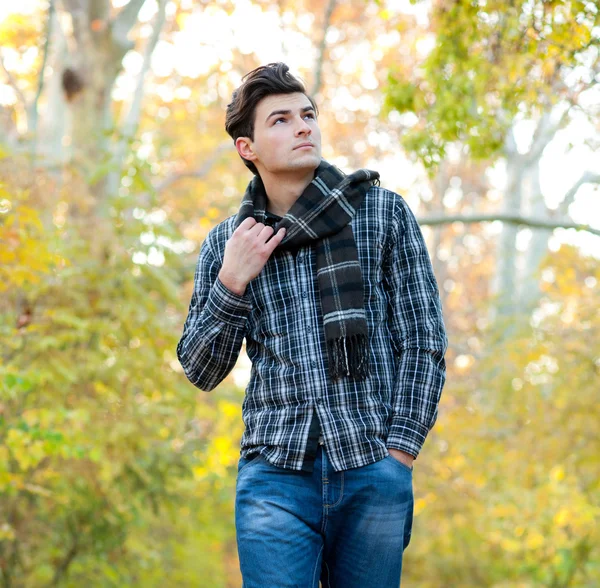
(349, 356)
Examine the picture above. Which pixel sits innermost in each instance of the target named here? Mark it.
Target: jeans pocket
(244, 462)
(400, 464)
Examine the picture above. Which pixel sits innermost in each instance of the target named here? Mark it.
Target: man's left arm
(418, 334)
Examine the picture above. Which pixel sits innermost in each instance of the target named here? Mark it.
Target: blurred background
(114, 164)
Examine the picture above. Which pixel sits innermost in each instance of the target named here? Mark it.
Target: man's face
(287, 137)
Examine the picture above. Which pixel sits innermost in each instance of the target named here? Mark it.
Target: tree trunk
(96, 67)
(53, 120)
(439, 268)
(538, 247)
(99, 47)
(506, 279)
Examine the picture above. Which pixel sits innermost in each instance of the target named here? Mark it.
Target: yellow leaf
(230, 409)
(561, 518)
(199, 472)
(181, 19)
(213, 213)
(510, 545)
(534, 540)
(6, 532)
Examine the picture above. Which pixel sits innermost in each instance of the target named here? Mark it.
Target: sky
(208, 37)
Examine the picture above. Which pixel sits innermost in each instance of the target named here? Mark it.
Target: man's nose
(303, 128)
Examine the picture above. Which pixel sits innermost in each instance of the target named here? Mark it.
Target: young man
(328, 278)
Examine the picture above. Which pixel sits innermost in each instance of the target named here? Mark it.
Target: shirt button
(309, 329)
(304, 294)
(313, 363)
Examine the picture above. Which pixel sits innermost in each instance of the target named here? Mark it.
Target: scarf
(322, 213)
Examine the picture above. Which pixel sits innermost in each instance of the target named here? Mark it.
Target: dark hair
(263, 81)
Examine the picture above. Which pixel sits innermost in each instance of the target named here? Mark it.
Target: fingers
(259, 230)
(246, 224)
(256, 229)
(249, 226)
(265, 233)
(276, 239)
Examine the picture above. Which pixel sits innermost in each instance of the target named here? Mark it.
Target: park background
(114, 165)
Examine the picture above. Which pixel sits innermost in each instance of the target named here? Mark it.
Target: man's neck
(283, 191)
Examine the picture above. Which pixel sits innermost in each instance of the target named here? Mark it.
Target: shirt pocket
(273, 302)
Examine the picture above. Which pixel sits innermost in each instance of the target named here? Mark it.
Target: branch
(506, 218)
(63, 566)
(124, 21)
(198, 173)
(321, 52)
(33, 109)
(8, 128)
(587, 177)
(51, 11)
(284, 51)
(133, 116)
(13, 83)
(510, 143)
(544, 133)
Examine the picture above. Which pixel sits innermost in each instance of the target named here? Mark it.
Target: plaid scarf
(322, 213)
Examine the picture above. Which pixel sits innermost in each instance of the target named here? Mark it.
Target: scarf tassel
(349, 356)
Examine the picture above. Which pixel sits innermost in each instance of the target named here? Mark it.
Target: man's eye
(279, 120)
(309, 115)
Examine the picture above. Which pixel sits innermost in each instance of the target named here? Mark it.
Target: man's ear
(244, 148)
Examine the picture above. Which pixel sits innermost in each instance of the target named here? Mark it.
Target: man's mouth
(302, 145)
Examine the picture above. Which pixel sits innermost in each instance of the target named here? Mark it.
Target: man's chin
(304, 165)
(308, 163)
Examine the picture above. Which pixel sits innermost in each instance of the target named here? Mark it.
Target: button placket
(304, 267)
(303, 271)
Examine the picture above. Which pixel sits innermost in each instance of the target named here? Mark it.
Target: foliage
(507, 488)
(491, 61)
(95, 437)
(114, 470)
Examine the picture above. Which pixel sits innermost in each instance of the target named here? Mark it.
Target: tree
(492, 66)
(90, 426)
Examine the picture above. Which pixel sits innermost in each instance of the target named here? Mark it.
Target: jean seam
(316, 563)
(324, 488)
(341, 492)
(328, 574)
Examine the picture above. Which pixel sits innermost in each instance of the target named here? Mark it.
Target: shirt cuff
(406, 435)
(227, 306)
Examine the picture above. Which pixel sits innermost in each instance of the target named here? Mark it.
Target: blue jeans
(347, 529)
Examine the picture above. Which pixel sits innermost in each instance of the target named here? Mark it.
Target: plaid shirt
(280, 317)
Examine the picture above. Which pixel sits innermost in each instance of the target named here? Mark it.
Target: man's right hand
(246, 253)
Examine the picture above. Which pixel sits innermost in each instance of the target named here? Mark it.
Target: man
(328, 278)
